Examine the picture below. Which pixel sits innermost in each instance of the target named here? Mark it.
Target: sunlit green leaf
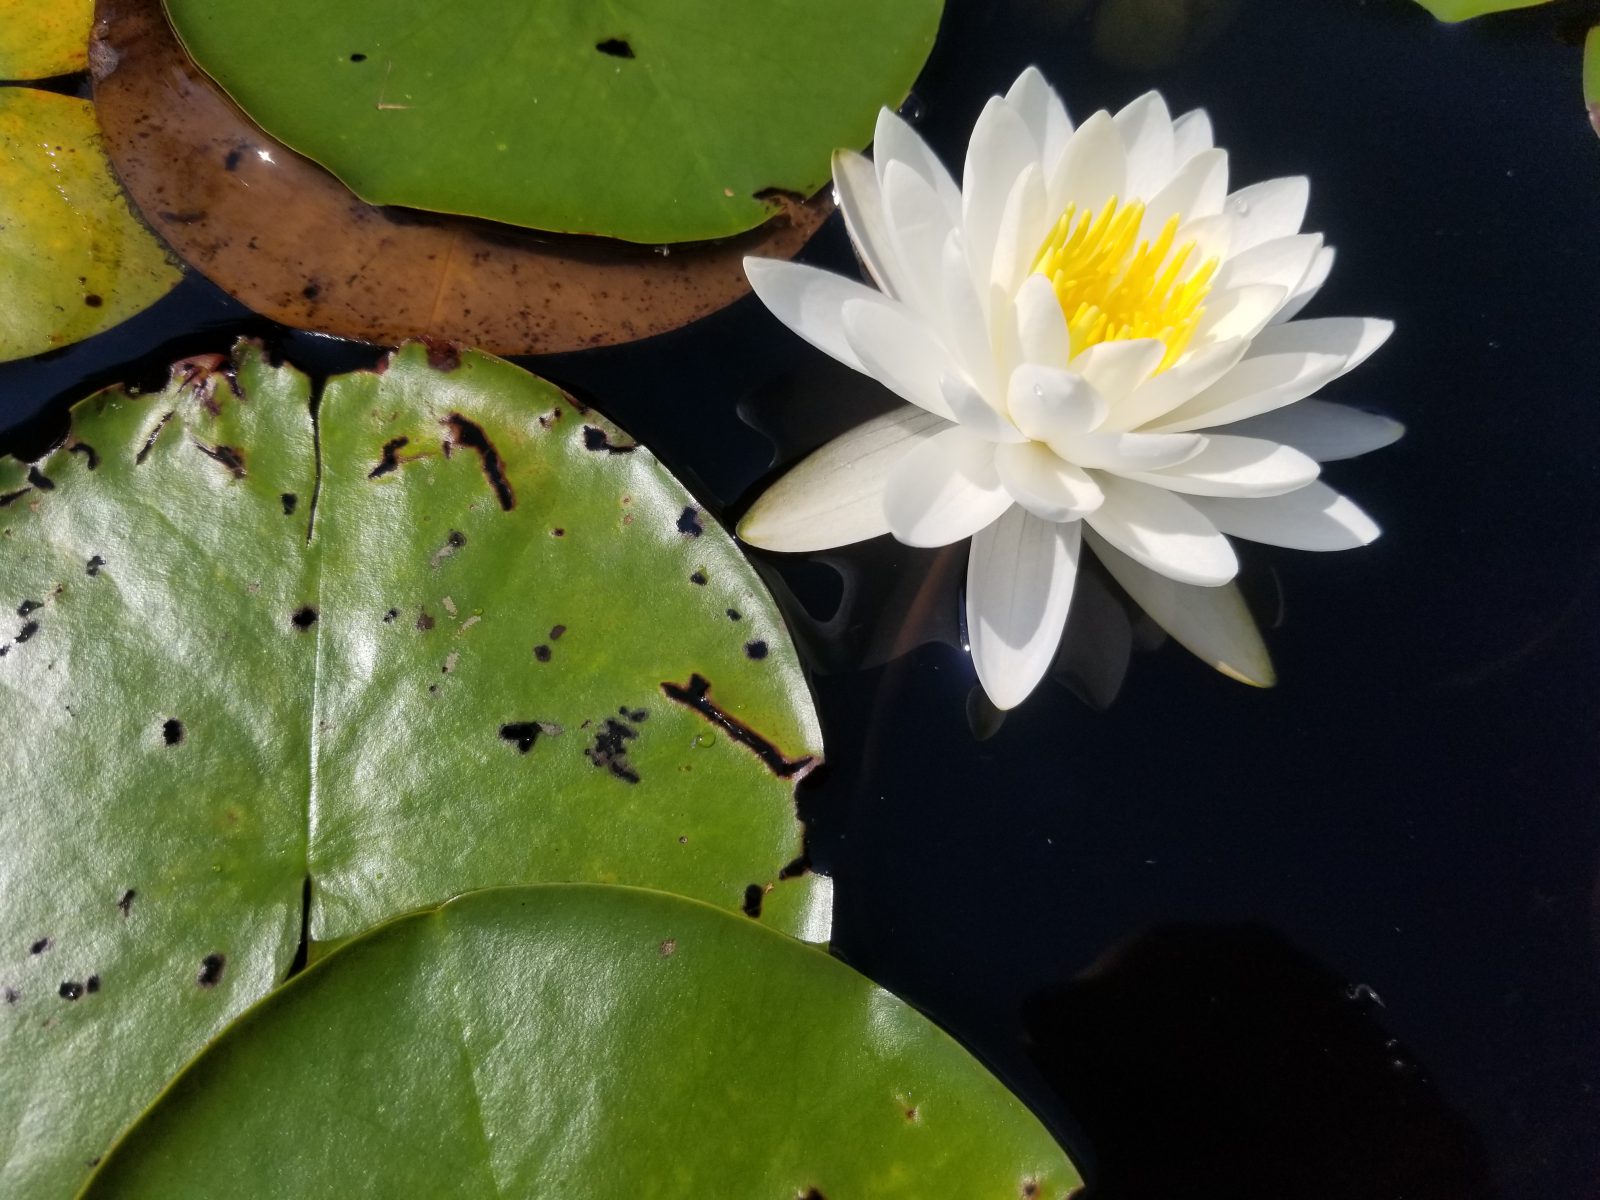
(457, 632)
(654, 121)
(74, 260)
(40, 38)
(584, 1042)
(1461, 10)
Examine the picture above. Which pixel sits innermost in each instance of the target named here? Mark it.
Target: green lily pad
(74, 259)
(584, 1042)
(40, 38)
(1464, 10)
(1591, 76)
(262, 675)
(656, 121)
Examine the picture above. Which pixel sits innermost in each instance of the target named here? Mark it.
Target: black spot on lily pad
(615, 47)
(610, 749)
(211, 970)
(542, 653)
(290, 502)
(126, 903)
(40, 946)
(28, 606)
(598, 440)
(172, 731)
(689, 522)
(756, 649)
(27, 631)
(521, 733)
(92, 567)
(753, 896)
(70, 990)
(92, 984)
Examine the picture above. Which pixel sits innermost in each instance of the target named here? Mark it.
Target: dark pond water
(1337, 939)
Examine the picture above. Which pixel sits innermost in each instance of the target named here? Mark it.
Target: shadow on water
(1219, 1060)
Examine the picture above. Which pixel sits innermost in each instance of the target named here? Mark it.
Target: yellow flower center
(1113, 287)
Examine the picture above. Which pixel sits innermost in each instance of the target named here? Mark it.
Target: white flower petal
(855, 184)
(1020, 577)
(1356, 338)
(965, 317)
(1186, 378)
(1043, 483)
(1255, 386)
(918, 228)
(1240, 312)
(1313, 518)
(900, 352)
(896, 141)
(1212, 237)
(1022, 228)
(945, 489)
(1309, 286)
(1146, 130)
(811, 302)
(1117, 368)
(1237, 466)
(1197, 190)
(1213, 623)
(1191, 133)
(977, 414)
(1041, 325)
(1127, 453)
(1163, 531)
(1325, 431)
(835, 496)
(1272, 209)
(1282, 262)
(1092, 169)
(1001, 149)
(1041, 110)
(1048, 402)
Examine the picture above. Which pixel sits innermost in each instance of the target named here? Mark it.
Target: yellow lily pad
(74, 258)
(40, 38)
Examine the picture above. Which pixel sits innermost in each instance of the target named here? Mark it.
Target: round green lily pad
(655, 121)
(74, 259)
(40, 38)
(269, 679)
(584, 1042)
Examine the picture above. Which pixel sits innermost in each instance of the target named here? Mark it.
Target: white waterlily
(1091, 332)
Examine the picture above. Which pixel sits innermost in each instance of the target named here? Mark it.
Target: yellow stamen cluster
(1113, 287)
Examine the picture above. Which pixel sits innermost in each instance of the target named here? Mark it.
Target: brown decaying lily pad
(288, 239)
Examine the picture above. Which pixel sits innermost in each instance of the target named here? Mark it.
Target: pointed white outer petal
(835, 496)
(918, 227)
(1127, 453)
(965, 320)
(1212, 623)
(1020, 577)
(1237, 466)
(1191, 133)
(1116, 368)
(1309, 286)
(1047, 402)
(1041, 110)
(1189, 376)
(944, 490)
(1325, 431)
(1255, 386)
(1146, 130)
(900, 352)
(1282, 262)
(1046, 486)
(1164, 532)
(1001, 149)
(855, 184)
(977, 414)
(1314, 518)
(1274, 208)
(1092, 169)
(896, 141)
(1240, 312)
(1356, 338)
(811, 302)
(1023, 226)
(1041, 325)
(1197, 190)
